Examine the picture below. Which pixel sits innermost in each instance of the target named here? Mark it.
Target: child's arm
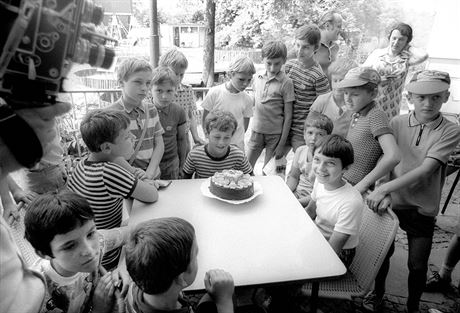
(205, 113)
(157, 154)
(417, 55)
(279, 150)
(311, 209)
(19, 194)
(194, 131)
(338, 240)
(104, 295)
(189, 167)
(304, 201)
(145, 192)
(137, 172)
(115, 237)
(390, 158)
(219, 285)
(293, 177)
(182, 144)
(246, 123)
(10, 210)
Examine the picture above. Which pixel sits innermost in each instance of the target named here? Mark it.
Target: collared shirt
(171, 117)
(325, 55)
(437, 140)
(270, 96)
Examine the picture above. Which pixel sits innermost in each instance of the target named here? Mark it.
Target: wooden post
(208, 56)
(154, 35)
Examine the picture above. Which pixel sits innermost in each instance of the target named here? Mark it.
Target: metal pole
(154, 35)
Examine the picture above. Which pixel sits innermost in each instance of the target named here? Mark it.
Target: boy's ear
(446, 96)
(106, 147)
(180, 281)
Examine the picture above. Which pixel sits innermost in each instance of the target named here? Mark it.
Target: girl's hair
(164, 74)
(335, 146)
(242, 64)
(54, 213)
(173, 58)
(319, 120)
(131, 66)
(404, 29)
(221, 121)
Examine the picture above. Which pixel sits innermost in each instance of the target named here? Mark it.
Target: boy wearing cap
(426, 140)
(375, 148)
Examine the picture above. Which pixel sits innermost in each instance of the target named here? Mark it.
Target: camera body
(39, 41)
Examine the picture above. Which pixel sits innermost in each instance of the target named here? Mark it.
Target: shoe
(372, 302)
(261, 299)
(437, 284)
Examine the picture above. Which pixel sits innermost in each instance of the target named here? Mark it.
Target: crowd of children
(346, 154)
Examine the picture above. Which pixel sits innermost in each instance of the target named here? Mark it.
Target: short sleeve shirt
(171, 117)
(365, 128)
(270, 97)
(436, 140)
(306, 178)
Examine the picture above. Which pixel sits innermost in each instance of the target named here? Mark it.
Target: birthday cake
(232, 185)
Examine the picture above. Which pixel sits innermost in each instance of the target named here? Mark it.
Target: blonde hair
(164, 74)
(131, 66)
(242, 64)
(174, 58)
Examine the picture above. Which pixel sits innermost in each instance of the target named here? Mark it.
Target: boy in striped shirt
(218, 154)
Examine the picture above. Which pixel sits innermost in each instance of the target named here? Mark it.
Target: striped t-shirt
(185, 97)
(200, 162)
(104, 185)
(309, 83)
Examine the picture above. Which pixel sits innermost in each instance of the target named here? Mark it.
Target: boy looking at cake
(300, 179)
(160, 273)
(218, 154)
(336, 206)
(134, 76)
(60, 226)
(98, 177)
(274, 96)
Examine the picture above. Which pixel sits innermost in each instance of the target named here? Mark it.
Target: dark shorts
(414, 223)
(346, 256)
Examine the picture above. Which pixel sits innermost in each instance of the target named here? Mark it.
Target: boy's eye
(91, 234)
(68, 247)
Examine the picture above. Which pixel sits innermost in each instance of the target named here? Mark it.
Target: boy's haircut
(220, 120)
(54, 213)
(164, 74)
(242, 64)
(319, 120)
(310, 33)
(102, 125)
(341, 66)
(404, 29)
(335, 146)
(328, 17)
(174, 59)
(369, 87)
(274, 49)
(131, 66)
(158, 251)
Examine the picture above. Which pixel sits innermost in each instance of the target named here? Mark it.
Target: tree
(209, 44)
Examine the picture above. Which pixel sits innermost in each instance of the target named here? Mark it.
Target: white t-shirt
(239, 104)
(338, 210)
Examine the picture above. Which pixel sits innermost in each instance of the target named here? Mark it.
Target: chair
(376, 235)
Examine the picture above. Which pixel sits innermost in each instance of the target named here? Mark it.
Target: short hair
(310, 33)
(173, 58)
(54, 213)
(220, 120)
(130, 66)
(328, 17)
(102, 125)
(242, 64)
(158, 251)
(274, 49)
(164, 74)
(341, 66)
(404, 29)
(319, 120)
(369, 87)
(335, 146)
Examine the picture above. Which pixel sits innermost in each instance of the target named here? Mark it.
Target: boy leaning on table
(160, 273)
(426, 140)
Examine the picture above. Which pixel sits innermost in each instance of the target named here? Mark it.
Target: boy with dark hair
(60, 226)
(134, 75)
(426, 140)
(274, 96)
(309, 81)
(160, 273)
(173, 120)
(336, 206)
(300, 179)
(218, 154)
(99, 178)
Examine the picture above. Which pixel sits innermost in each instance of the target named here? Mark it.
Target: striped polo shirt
(309, 83)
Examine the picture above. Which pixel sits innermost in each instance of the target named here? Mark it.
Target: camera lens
(95, 54)
(92, 13)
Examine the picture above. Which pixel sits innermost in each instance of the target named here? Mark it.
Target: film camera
(39, 41)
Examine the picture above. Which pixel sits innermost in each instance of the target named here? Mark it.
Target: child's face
(240, 81)
(358, 98)
(305, 50)
(77, 250)
(137, 86)
(427, 107)
(335, 79)
(219, 142)
(123, 145)
(163, 94)
(273, 66)
(179, 71)
(190, 273)
(328, 171)
(312, 135)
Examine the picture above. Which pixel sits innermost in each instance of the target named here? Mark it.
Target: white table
(268, 240)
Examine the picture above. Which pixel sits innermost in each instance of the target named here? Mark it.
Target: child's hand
(219, 284)
(374, 198)
(199, 142)
(384, 205)
(279, 152)
(11, 212)
(25, 196)
(121, 280)
(103, 297)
